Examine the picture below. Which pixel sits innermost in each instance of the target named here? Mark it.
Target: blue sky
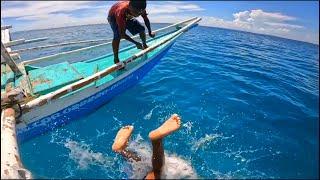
(290, 19)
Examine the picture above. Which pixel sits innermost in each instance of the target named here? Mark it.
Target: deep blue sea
(249, 105)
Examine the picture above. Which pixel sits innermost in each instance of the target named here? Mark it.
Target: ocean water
(249, 107)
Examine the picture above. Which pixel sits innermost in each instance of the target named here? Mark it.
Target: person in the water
(121, 17)
(156, 136)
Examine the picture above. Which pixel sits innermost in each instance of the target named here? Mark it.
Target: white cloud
(41, 8)
(284, 25)
(51, 14)
(172, 7)
(260, 14)
(258, 21)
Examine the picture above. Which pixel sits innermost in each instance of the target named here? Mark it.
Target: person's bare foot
(145, 46)
(171, 125)
(122, 138)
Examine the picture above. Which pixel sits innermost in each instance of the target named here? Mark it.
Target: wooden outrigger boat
(56, 94)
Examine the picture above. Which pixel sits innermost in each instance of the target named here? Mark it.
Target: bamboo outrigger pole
(42, 100)
(60, 44)
(22, 41)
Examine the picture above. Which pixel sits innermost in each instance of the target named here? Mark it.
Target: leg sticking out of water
(121, 142)
(156, 136)
(171, 125)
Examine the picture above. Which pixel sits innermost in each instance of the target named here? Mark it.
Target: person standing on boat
(121, 17)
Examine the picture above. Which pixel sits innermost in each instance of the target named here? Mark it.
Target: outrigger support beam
(5, 54)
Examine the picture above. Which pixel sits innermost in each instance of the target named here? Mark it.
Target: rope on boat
(11, 165)
(42, 100)
(95, 46)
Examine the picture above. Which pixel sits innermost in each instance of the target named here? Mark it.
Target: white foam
(82, 154)
(188, 125)
(175, 167)
(99, 134)
(117, 120)
(148, 116)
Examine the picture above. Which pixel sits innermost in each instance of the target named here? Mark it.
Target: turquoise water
(249, 108)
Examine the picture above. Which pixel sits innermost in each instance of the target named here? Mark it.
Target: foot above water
(168, 127)
(122, 138)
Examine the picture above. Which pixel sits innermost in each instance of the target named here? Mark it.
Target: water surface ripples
(249, 107)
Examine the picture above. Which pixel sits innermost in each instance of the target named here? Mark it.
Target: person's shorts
(133, 25)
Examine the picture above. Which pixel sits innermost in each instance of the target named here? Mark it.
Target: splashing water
(204, 140)
(175, 167)
(84, 156)
(148, 116)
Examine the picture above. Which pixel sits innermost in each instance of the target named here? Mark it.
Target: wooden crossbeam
(6, 27)
(6, 56)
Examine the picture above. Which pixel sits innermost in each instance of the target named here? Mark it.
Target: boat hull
(61, 112)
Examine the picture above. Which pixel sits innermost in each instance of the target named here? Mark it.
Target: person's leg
(156, 136)
(115, 48)
(116, 38)
(135, 27)
(171, 125)
(121, 142)
(157, 159)
(143, 38)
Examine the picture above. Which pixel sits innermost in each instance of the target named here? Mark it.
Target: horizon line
(313, 43)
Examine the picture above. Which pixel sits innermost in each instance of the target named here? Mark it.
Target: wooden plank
(6, 27)
(5, 36)
(13, 43)
(9, 60)
(15, 56)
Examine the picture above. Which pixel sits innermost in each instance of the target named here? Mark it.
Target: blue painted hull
(89, 104)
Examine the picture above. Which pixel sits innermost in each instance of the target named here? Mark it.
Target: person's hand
(152, 34)
(139, 45)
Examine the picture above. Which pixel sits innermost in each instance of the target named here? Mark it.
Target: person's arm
(122, 31)
(147, 23)
(126, 37)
